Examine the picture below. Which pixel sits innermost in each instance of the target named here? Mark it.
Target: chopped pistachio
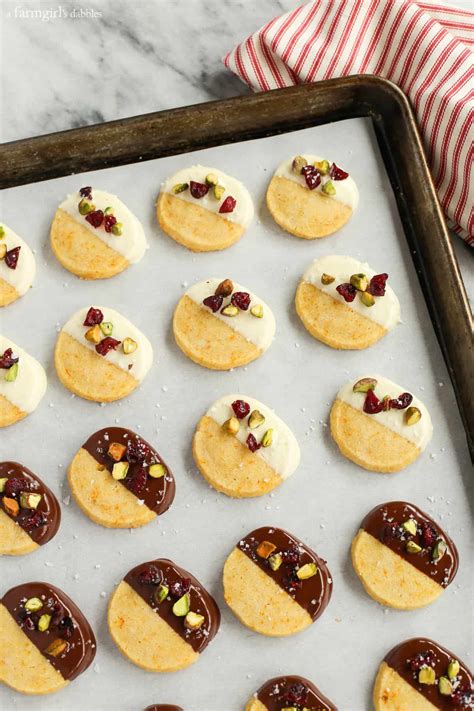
(413, 547)
(409, 526)
(93, 334)
(230, 310)
(44, 622)
(29, 500)
(181, 606)
(367, 299)
(445, 687)
(232, 425)
(427, 675)
(2, 232)
(328, 188)
(257, 311)
(108, 210)
(327, 279)
(33, 604)
(267, 438)
(119, 470)
(85, 207)
(298, 164)
(161, 593)
(364, 385)
(412, 416)
(180, 188)
(3, 250)
(57, 647)
(307, 571)
(439, 549)
(193, 621)
(256, 419)
(265, 549)
(323, 166)
(360, 281)
(3, 481)
(106, 327)
(116, 451)
(211, 179)
(156, 471)
(129, 345)
(12, 373)
(11, 506)
(386, 402)
(453, 668)
(218, 191)
(275, 561)
(225, 288)
(117, 229)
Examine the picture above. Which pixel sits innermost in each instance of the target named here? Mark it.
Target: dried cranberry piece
(297, 694)
(150, 576)
(213, 302)
(29, 624)
(292, 555)
(95, 218)
(401, 402)
(390, 531)
(292, 583)
(428, 534)
(58, 615)
(106, 345)
(14, 485)
(337, 173)
(228, 205)
(462, 696)
(137, 482)
(198, 190)
(109, 222)
(311, 176)
(33, 521)
(347, 291)
(372, 404)
(241, 299)
(421, 659)
(252, 443)
(377, 285)
(180, 587)
(67, 627)
(93, 317)
(241, 409)
(137, 451)
(8, 359)
(86, 192)
(11, 257)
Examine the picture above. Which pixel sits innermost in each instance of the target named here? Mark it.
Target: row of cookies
(95, 236)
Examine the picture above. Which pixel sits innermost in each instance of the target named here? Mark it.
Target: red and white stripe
(425, 48)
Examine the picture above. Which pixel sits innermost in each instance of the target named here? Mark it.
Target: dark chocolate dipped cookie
(45, 640)
(161, 617)
(163, 707)
(119, 480)
(403, 558)
(289, 692)
(263, 564)
(420, 675)
(29, 511)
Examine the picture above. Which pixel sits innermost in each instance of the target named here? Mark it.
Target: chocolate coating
(81, 647)
(158, 494)
(378, 523)
(312, 594)
(201, 601)
(398, 659)
(163, 707)
(276, 694)
(48, 507)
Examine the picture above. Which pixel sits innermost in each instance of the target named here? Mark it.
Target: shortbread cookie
(45, 640)
(22, 383)
(204, 209)
(403, 558)
(382, 432)
(119, 480)
(275, 584)
(345, 304)
(420, 675)
(311, 197)
(242, 448)
(161, 617)
(100, 355)
(220, 325)
(163, 707)
(29, 511)
(283, 693)
(95, 236)
(17, 266)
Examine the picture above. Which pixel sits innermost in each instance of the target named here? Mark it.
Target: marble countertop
(125, 58)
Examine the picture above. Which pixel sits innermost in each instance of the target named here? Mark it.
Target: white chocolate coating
(243, 211)
(140, 360)
(346, 190)
(385, 311)
(420, 433)
(283, 455)
(259, 331)
(30, 385)
(23, 276)
(131, 244)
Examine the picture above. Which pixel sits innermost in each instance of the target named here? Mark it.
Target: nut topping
(453, 668)
(116, 451)
(444, 686)
(267, 438)
(257, 311)
(275, 561)
(156, 471)
(29, 501)
(367, 299)
(413, 547)
(85, 207)
(161, 593)
(119, 470)
(193, 621)
(298, 164)
(307, 571)
(232, 425)
(12, 373)
(211, 179)
(225, 288)
(230, 310)
(409, 526)
(427, 675)
(181, 606)
(93, 334)
(44, 622)
(218, 191)
(328, 188)
(57, 647)
(327, 279)
(412, 416)
(3, 250)
(265, 549)
(363, 385)
(439, 550)
(179, 188)
(129, 346)
(323, 166)
(11, 506)
(107, 327)
(256, 419)
(33, 604)
(360, 281)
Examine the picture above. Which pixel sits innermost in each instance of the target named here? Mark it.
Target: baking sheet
(322, 503)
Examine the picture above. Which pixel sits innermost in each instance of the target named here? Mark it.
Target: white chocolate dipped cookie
(100, 355)
(95, 236)
(204, 209)
(311, 197)
(242, 448)
(22, 383)
(379, 426)
(17, 266)
(220, 325)
(346, 304)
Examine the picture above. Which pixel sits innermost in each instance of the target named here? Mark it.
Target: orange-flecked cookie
(379, 426)
(204, 209)
(420, 675)
(95, 236)
(275, 584)
(283, 693)
(29, 511)
(162, 618)
(101, 356)
(17, 266)
(221, 325)
(345, 304)
(119, 480)
(22, 383)
(242, 448)
(311, 197)
(45, 640)
(403, 558)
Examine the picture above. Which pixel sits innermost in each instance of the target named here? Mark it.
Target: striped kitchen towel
(426, 49)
